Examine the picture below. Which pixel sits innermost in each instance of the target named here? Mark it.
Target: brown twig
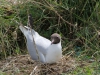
(52, 8)
(30, 25)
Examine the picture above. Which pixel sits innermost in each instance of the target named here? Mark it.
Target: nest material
(24, 65)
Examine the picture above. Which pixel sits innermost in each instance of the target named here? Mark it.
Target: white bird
(48, 51)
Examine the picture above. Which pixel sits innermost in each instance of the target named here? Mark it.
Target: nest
(24, 65)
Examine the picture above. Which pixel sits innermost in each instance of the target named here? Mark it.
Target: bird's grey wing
(42, 44)
(33, 53)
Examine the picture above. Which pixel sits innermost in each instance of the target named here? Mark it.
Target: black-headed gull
(48, 51)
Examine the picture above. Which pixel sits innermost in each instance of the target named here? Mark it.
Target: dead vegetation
(24, 65)
(83, 38)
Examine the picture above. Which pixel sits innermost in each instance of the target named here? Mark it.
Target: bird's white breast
(54, 53)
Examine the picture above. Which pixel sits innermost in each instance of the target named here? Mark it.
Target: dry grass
(23, 65)
(60, 14)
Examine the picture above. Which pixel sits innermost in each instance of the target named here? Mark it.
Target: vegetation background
(77, 21)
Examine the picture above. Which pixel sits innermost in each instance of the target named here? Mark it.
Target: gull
(49, 51)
